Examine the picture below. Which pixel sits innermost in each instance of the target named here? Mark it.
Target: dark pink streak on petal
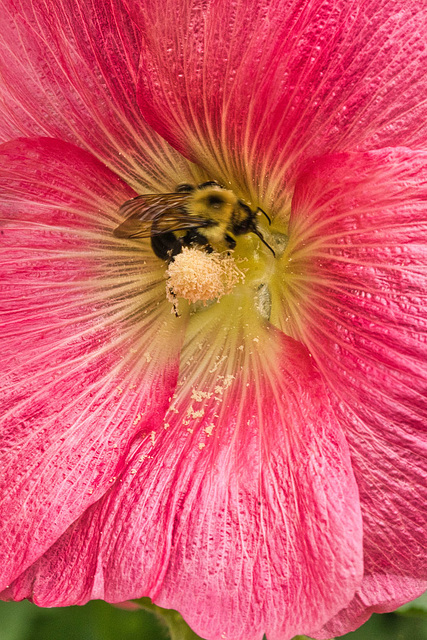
(68, 70)
(84, 363)
(249, 89)
(357, 298)
(241, 512)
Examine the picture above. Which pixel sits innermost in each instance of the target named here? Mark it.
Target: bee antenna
(268, 217)
(260, 236)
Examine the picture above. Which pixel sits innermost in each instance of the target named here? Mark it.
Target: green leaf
(175, 623)
(416, 608)
(95, 621)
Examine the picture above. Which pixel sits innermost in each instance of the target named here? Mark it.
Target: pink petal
(242, 512)
(386, 591)
(85, 363)
(248, 89)
(356, 296)
(69, 71)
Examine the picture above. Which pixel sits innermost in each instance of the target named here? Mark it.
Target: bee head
(213, 203)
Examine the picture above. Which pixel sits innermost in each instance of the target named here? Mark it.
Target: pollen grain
(198, 276)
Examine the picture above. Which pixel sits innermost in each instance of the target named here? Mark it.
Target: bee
(208, 215)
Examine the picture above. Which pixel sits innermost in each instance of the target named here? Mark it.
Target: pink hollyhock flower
(259, 463)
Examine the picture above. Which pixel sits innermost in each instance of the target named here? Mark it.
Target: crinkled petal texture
(89, 353)
(356, 296)
(231, 499)
(69, 71)
(250, 89)
(228, 490)
(241, 510)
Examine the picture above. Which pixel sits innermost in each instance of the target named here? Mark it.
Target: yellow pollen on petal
(209, 429)
(198, 276)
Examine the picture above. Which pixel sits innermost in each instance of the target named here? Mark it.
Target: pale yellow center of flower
(198, 276)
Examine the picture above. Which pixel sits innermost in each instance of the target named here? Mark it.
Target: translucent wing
(154, 214)
(149, 206)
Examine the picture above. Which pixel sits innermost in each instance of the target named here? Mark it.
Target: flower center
(198, 276)
(212, 243)
(220, 245)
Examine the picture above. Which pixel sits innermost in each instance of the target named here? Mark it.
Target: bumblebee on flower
(209, 217)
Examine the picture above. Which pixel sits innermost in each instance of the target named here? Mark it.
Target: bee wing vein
(154, 214)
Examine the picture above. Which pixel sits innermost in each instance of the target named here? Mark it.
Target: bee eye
(214, 201)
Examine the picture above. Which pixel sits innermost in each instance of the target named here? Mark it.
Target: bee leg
(230, 241)
(193, 237)
(166, 245)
